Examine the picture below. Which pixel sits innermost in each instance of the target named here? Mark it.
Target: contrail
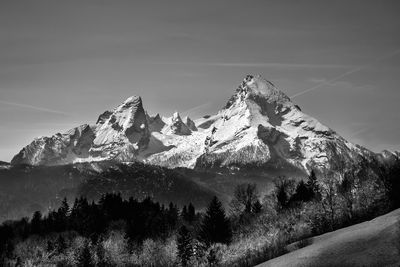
(33, 107)
(200, 107)
(355, 134)
(254, 64)
(346, 73)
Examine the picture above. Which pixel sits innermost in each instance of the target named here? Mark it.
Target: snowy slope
(259, 126)
(372, 243)
(122, 132)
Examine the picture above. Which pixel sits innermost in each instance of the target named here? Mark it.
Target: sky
(63, 63)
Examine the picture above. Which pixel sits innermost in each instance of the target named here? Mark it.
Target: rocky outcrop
(190, 124)
(176, 126)
(58, 149)
(123, 133)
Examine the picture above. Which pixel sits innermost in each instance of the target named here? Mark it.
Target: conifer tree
(62, 215)
(191, 213)
(64, 208)
(257, 207)
(188, 213)
(36, 223)
(282, 196)
(303, 192)
(184, 213)
(215, 227)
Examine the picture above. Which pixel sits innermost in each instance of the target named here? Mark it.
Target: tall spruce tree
(215, 227)
(184, 213)
(36, 223)
(303, 193)
(62, 216)
(191, 213)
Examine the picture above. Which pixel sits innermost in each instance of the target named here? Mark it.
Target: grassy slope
(372, 243)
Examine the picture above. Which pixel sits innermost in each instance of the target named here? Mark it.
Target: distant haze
(62, 63)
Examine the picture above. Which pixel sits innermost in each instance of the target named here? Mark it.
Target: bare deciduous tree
(244, 198)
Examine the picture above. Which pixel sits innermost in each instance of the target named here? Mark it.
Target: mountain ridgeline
(259, 135)
(258, 127)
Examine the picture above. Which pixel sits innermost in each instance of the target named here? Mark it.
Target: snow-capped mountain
(259, 126)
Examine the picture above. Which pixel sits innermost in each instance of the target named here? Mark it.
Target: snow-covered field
(372, 243)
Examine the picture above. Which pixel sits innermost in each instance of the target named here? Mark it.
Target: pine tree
(64, 208)
(257, 207)
(36, 223)
(184, 213)
(215, 227)
(62, 216)
(303, 193)
(172, 215)
(282, 196)
(188, 213)
(185, 246)
(191, 213)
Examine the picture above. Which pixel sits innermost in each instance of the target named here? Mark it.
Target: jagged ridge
(259, 126)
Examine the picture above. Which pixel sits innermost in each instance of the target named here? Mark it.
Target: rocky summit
(259, 126)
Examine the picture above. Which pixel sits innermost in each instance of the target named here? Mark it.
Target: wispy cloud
(42, 109)
(354, 70)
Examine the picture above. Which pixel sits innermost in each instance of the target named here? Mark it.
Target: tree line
(319, 203)
(140, 220)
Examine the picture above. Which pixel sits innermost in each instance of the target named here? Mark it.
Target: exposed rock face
(176, 126)
(58, 149)
(259, 126)
(156, 123)
(190, 124)
(122, 133)
(119, 134)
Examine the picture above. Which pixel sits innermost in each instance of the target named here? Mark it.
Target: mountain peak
(176, 116)
(177, 126)
(256, 86)
(190, 123)
(133, 101)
